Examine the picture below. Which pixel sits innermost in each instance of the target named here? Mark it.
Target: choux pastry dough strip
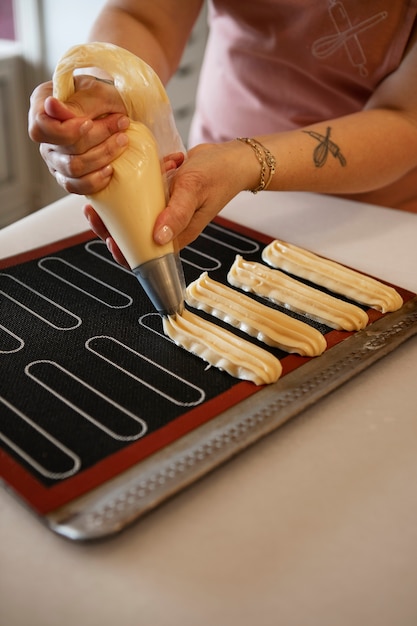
(258, 320)
(222, 349)
(294, 295)
(332, 276)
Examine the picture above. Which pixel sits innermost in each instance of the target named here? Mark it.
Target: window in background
(6, 20)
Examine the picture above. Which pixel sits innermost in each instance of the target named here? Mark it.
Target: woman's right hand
(80, 138)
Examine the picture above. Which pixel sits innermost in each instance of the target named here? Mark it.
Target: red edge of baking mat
(46, 499)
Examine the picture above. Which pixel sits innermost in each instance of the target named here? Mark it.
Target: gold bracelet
(265, 160)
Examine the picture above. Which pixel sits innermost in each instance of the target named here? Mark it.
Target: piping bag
(138, 190)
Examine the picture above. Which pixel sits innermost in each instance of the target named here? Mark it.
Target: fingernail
(60, 179)
(122, 139)
(107, 171)
(109, 245)
(164, 235)
(86, 126)
(123, 123)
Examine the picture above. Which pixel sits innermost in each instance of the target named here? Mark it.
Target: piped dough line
(257, 320)
(332, 275)
(295, 295)
(222, 349)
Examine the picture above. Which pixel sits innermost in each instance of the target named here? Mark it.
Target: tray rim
(108, 508)
(115, 505)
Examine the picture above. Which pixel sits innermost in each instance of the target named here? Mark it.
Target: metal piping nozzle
(163, 280)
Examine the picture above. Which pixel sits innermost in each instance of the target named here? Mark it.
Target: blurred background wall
(33, 36)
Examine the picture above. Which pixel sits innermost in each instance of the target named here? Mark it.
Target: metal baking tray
(122, 500)
(101, 507)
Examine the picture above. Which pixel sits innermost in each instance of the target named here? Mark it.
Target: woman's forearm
(156, 31)
(351, 154)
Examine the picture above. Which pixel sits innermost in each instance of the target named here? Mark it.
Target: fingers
(187, 213)
(82, 135)
(93, 98)
(116, 252)
(46, 117)
(95, 222)
(174, 220)
(88, 172)
(173, 161)
(87, 185)
(92, 137)
(200, 188)
(98, 227)
(77, 149)
(77, 135)
(58, 110)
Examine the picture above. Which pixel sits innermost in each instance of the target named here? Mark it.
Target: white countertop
(315, 525)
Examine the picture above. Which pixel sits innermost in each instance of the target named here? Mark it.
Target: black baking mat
(89, 383)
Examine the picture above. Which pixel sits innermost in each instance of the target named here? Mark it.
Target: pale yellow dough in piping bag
(140, 88)
(137, 192)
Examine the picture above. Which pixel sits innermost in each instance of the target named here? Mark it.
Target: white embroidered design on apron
(346, 36)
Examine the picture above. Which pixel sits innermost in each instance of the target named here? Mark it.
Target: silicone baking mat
(90, 386)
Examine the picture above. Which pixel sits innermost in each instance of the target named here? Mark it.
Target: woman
(325, 92)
